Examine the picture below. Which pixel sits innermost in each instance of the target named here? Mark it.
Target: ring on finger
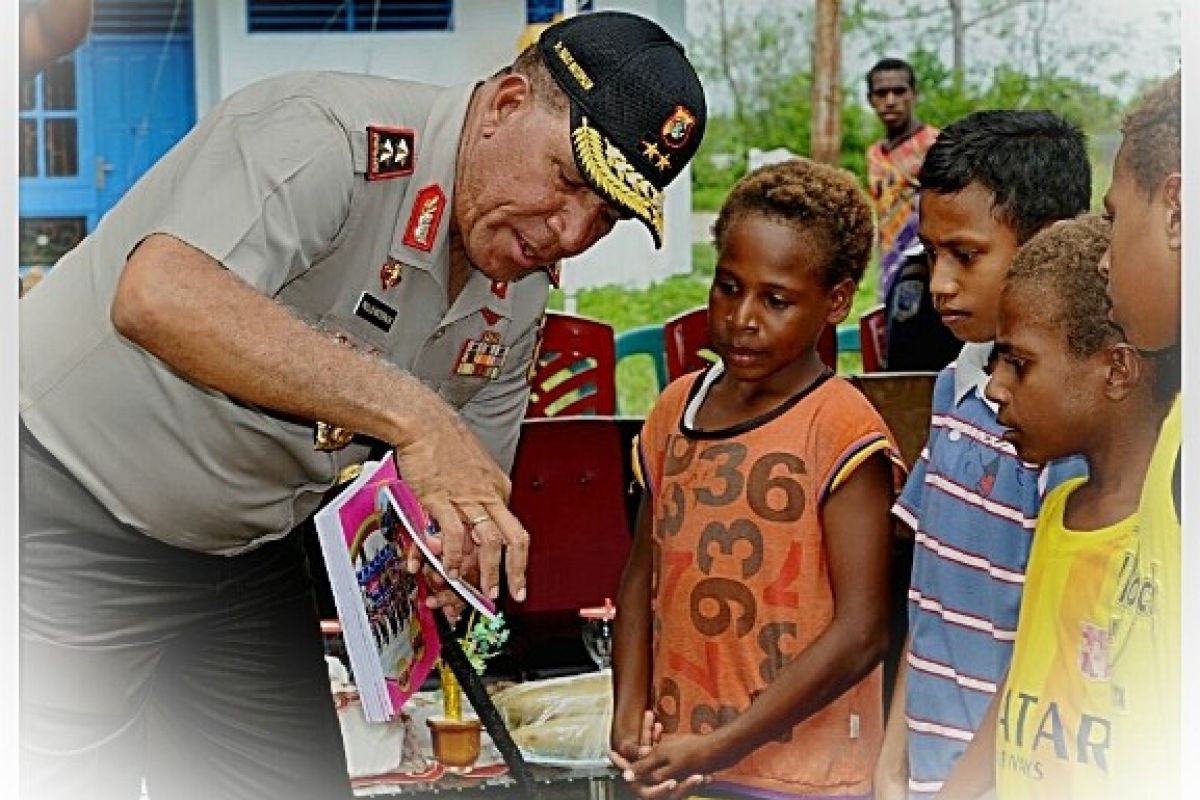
(478, 520)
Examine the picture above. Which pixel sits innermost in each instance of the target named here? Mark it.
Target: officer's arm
(185, 308)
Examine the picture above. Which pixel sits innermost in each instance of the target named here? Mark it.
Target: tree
(1022, 25)
(826, 131)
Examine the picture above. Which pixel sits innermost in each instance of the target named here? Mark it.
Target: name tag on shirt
(375, 311)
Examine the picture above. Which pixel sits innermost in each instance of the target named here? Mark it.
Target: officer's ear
(512, 93)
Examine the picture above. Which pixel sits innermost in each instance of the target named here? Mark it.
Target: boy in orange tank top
(754, 604)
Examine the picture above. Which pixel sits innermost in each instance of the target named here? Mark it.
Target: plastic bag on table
(560, 720)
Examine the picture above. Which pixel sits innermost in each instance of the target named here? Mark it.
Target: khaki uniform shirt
(273, 184)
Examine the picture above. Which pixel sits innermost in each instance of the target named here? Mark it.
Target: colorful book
(389, 633)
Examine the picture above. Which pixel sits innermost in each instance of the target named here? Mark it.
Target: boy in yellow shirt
(1087, 700)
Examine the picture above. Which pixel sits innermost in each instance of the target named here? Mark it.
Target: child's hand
(660, 770)
(624, 757)
(628, 748)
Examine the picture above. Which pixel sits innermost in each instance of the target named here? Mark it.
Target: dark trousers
(202, 673)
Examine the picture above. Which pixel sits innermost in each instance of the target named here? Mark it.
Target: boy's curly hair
(820, 201)
(1060, 265)
(1153, 133)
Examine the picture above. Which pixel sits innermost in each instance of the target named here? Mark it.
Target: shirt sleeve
(495, 413)
(265, 192)
(1055, 473)
(650, 443)
(908, 506)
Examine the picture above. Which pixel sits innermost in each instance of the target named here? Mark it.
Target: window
(136, 17)
(49, 124)
(348, 16)
(537, 11)
(44, 240)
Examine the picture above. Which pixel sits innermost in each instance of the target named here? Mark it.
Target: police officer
(325, 262)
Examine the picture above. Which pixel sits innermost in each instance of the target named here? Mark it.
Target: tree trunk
(958, 30)
(727, 69)
(826, 122)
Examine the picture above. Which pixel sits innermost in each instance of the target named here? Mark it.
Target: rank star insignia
(390, 152)
(650, 150)
(390, 274)
(678, 127)
(483, 357)
(425, 217)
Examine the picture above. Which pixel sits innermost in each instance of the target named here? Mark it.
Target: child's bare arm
(858, 542)
(631, 641)
(974, 774)
(891, 770)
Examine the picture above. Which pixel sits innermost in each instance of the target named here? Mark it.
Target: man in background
(916, 338)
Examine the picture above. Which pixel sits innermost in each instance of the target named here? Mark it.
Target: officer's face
(521, 203)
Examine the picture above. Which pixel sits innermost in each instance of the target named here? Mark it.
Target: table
(553, 783)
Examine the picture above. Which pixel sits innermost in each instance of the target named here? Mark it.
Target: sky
(1150, 30)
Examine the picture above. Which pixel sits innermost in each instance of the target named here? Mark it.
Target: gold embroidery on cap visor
(611, 173)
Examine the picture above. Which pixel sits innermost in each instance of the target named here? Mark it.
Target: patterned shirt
(972, 505)
(741, 580)
(892, 180)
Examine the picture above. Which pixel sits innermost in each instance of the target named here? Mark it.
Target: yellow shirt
(1091, 707)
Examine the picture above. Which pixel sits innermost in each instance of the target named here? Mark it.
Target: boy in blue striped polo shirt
(988, 184)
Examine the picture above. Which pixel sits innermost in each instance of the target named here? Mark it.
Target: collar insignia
(424, 219)
(500, 289)
(391, 152)
(678, 128)
(489, 316)
(554, 272)
(390, 274)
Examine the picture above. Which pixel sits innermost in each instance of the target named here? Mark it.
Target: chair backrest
(905, 401)
(568, 490)
(872, 336)
(574, 372)
(685, 337)
(645, 340)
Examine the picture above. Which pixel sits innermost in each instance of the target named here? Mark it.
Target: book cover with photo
(389, 633)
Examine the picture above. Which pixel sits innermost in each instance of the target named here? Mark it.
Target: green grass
(630, 308)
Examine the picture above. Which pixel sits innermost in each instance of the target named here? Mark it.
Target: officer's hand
(464, 491)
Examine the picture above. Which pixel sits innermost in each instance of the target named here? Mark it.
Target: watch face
(908, 300)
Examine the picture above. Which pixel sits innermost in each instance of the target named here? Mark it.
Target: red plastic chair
(575, 369)
(568, 483)
(872, 337)
(685, 337)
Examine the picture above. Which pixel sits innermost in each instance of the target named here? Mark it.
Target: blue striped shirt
(972, 505)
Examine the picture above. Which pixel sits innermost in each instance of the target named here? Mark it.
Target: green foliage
(483, 640)
(943, 100)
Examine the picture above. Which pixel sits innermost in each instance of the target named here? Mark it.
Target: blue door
(144, 103)
(92, 123)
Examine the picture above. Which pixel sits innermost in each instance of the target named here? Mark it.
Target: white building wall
(484, 38)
